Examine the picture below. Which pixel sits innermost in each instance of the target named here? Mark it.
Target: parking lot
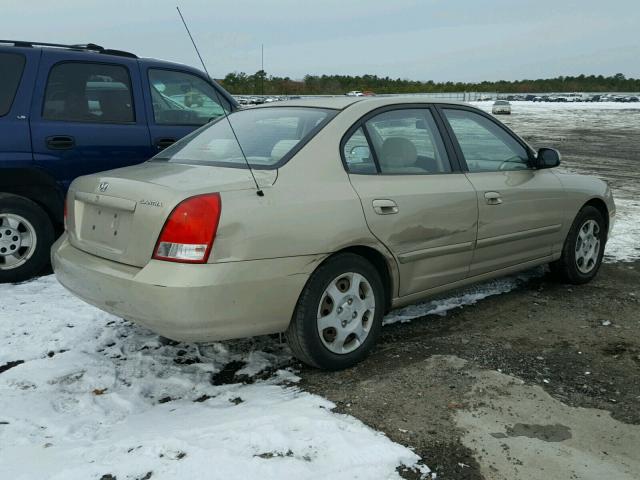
(521, 377)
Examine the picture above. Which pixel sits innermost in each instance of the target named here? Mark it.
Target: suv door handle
(493, 198)
(162, 143)
(60, 142)
(384, 206)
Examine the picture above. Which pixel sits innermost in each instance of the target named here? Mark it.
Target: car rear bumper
(189, 302)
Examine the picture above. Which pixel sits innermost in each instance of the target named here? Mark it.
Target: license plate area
(105, 226)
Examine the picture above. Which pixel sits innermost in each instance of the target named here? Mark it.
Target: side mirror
(547, 158)
(360, 154)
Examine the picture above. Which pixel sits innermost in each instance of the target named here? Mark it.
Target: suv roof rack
(91, 47)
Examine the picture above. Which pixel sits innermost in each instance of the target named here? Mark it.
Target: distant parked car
(364, 204)
(501, 107)
(70, 110)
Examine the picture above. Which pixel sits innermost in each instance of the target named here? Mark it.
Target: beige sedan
(359, 205)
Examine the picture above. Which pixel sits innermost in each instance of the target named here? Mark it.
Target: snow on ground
(97, 395)
(466, 296)
(560, 108)
(624, 243)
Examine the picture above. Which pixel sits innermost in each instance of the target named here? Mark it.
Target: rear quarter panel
(311, 209)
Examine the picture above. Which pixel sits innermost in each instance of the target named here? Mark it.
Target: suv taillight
(188, 233)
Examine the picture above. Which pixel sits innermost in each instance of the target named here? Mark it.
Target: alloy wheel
(17, 241)
(587, 247)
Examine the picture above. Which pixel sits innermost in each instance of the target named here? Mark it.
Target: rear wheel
(583, 248)
(339, 314)
(26, 236)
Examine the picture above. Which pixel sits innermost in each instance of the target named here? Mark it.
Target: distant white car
(354, 93)
(501, 107)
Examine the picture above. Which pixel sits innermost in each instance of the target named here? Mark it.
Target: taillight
(188, 233)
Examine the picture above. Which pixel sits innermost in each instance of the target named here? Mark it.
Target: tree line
(262, 83)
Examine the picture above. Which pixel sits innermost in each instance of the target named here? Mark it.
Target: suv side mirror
(547, 158)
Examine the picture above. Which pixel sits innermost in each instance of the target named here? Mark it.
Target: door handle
(163, 143)
(384, 206)
(60, 142)
(493, 198)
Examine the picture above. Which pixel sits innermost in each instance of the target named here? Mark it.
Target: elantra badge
(103, 186)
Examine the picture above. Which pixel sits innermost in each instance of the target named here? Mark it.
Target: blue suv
(71, 110)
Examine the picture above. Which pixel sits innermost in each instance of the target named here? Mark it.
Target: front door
(519, 207)
(414, 199)
(90, 117)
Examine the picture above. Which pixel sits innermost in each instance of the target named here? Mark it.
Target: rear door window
(407, 141)
(11, 66)
(180, 98)
(89, 92)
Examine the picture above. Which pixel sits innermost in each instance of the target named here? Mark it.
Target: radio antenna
(259, 191)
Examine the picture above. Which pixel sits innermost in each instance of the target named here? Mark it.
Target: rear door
(415, 198)
(178, 102)
(18, 67)
(520, 214)
(88, 115)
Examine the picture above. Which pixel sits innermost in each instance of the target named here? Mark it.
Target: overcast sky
(457, 40)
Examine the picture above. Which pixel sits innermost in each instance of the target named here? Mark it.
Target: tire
(569, 268)
(338, 349)
(26, 236)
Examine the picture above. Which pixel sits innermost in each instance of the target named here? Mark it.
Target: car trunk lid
(119, 214)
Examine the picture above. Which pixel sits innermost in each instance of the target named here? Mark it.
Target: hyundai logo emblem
(103, 186)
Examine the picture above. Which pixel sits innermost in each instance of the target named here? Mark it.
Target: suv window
(88, 92)
(486, 146)
(182, 99)
(407, 141)
(11, 66)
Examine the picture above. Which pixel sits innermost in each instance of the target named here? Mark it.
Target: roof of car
(342, 102)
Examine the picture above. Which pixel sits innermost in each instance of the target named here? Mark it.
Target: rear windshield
(11, 66)
(268, 136)
(501, 102)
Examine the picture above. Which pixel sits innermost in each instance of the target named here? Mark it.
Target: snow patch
(624, 242)
(97, 395)
(466, 296)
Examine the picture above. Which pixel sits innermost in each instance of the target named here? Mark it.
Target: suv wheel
(26, 236)
(583, 249)
(339, 314)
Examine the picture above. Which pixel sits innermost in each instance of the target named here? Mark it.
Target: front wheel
(26, 236)
(583, 248)
(339, 314)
